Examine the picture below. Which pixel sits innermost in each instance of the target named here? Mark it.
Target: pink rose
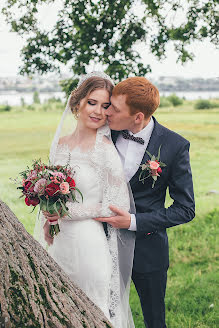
(64, 187)
(154, 165)
(58, 174)
(40, 186)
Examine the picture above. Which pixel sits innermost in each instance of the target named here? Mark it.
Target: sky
(205, 64)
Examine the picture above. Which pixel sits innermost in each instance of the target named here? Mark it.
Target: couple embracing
(123, 161)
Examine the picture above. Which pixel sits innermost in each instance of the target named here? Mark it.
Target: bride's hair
(84, 90)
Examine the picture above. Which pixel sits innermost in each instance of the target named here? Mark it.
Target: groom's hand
(121, 220)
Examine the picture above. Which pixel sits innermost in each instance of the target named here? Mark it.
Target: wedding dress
(99, 263)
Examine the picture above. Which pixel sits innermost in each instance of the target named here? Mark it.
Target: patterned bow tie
(126, 135)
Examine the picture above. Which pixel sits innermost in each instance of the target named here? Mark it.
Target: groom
(135, 130)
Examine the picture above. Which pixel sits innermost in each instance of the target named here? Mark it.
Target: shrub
(175, 100)
(36, 97)
(22, 102)
(53, 106)
(5, 108)
(54, 100)
(164, 102)
(203, 104)
(215, 105)
(30, 107)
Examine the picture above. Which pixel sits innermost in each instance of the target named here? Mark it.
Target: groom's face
(118, 114)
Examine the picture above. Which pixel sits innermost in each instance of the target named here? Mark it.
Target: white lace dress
(81, 248)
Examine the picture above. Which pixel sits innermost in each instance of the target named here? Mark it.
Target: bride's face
(92, 111)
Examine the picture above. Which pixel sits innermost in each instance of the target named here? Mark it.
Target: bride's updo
(85, 88)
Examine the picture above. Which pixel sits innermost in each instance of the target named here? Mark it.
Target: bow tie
(128, 136)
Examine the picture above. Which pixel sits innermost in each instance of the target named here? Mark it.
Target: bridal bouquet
(50, 187)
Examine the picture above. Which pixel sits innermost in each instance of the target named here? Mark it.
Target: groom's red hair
(141, 95)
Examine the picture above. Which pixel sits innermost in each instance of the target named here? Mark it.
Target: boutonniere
(152, 168)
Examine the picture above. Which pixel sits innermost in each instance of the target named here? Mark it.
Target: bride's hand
(48, 238)
(51, 217)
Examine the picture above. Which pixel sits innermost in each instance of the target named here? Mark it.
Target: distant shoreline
(172, 90)
(15, 98)
(173, 84)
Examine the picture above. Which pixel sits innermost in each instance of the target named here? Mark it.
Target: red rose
(27, 201)
(159, 171)
(71, 182)
(32, 201)
(28, 186)
(52, 188)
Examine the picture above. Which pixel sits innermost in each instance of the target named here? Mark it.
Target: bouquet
(50, 187)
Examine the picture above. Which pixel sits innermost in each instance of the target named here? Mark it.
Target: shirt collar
(146, 132)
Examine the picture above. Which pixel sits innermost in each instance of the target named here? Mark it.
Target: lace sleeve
(78, 212)
(115, 190)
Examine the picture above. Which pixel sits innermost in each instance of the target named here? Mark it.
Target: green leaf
(149, 154)
(47, 205)
(153, 158)
(56, 210)
(73, 196)
(33, 209)
(140, 175)
(79, 194)
(63, 206)
(158, 156)
(144, 176)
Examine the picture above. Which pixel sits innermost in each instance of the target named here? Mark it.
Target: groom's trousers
(151, 289)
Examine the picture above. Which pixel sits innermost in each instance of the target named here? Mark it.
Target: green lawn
(193, 278)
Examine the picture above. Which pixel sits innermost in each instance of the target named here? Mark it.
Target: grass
(192, 290)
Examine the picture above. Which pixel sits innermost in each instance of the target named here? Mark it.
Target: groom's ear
(139, 117)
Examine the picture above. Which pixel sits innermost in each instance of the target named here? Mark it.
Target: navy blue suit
(151, 259)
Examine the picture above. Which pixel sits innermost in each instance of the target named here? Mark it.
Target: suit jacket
(152, 218)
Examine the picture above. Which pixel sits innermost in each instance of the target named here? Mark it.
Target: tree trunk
(34, 291)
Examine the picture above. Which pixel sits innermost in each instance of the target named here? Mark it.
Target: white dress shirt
(131, 154)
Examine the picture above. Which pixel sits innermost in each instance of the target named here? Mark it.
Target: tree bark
(34, 290)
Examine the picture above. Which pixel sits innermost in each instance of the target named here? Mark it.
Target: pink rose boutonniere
(151, 168)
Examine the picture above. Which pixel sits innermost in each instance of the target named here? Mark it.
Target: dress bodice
(84, 172)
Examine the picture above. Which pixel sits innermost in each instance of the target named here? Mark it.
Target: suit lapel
(153, 146)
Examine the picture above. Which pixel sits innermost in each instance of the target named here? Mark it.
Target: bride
(97, 258)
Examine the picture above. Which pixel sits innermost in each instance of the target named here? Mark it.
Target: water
(193, 95)
(14, 98)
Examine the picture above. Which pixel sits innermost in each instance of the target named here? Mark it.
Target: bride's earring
(77, 112)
